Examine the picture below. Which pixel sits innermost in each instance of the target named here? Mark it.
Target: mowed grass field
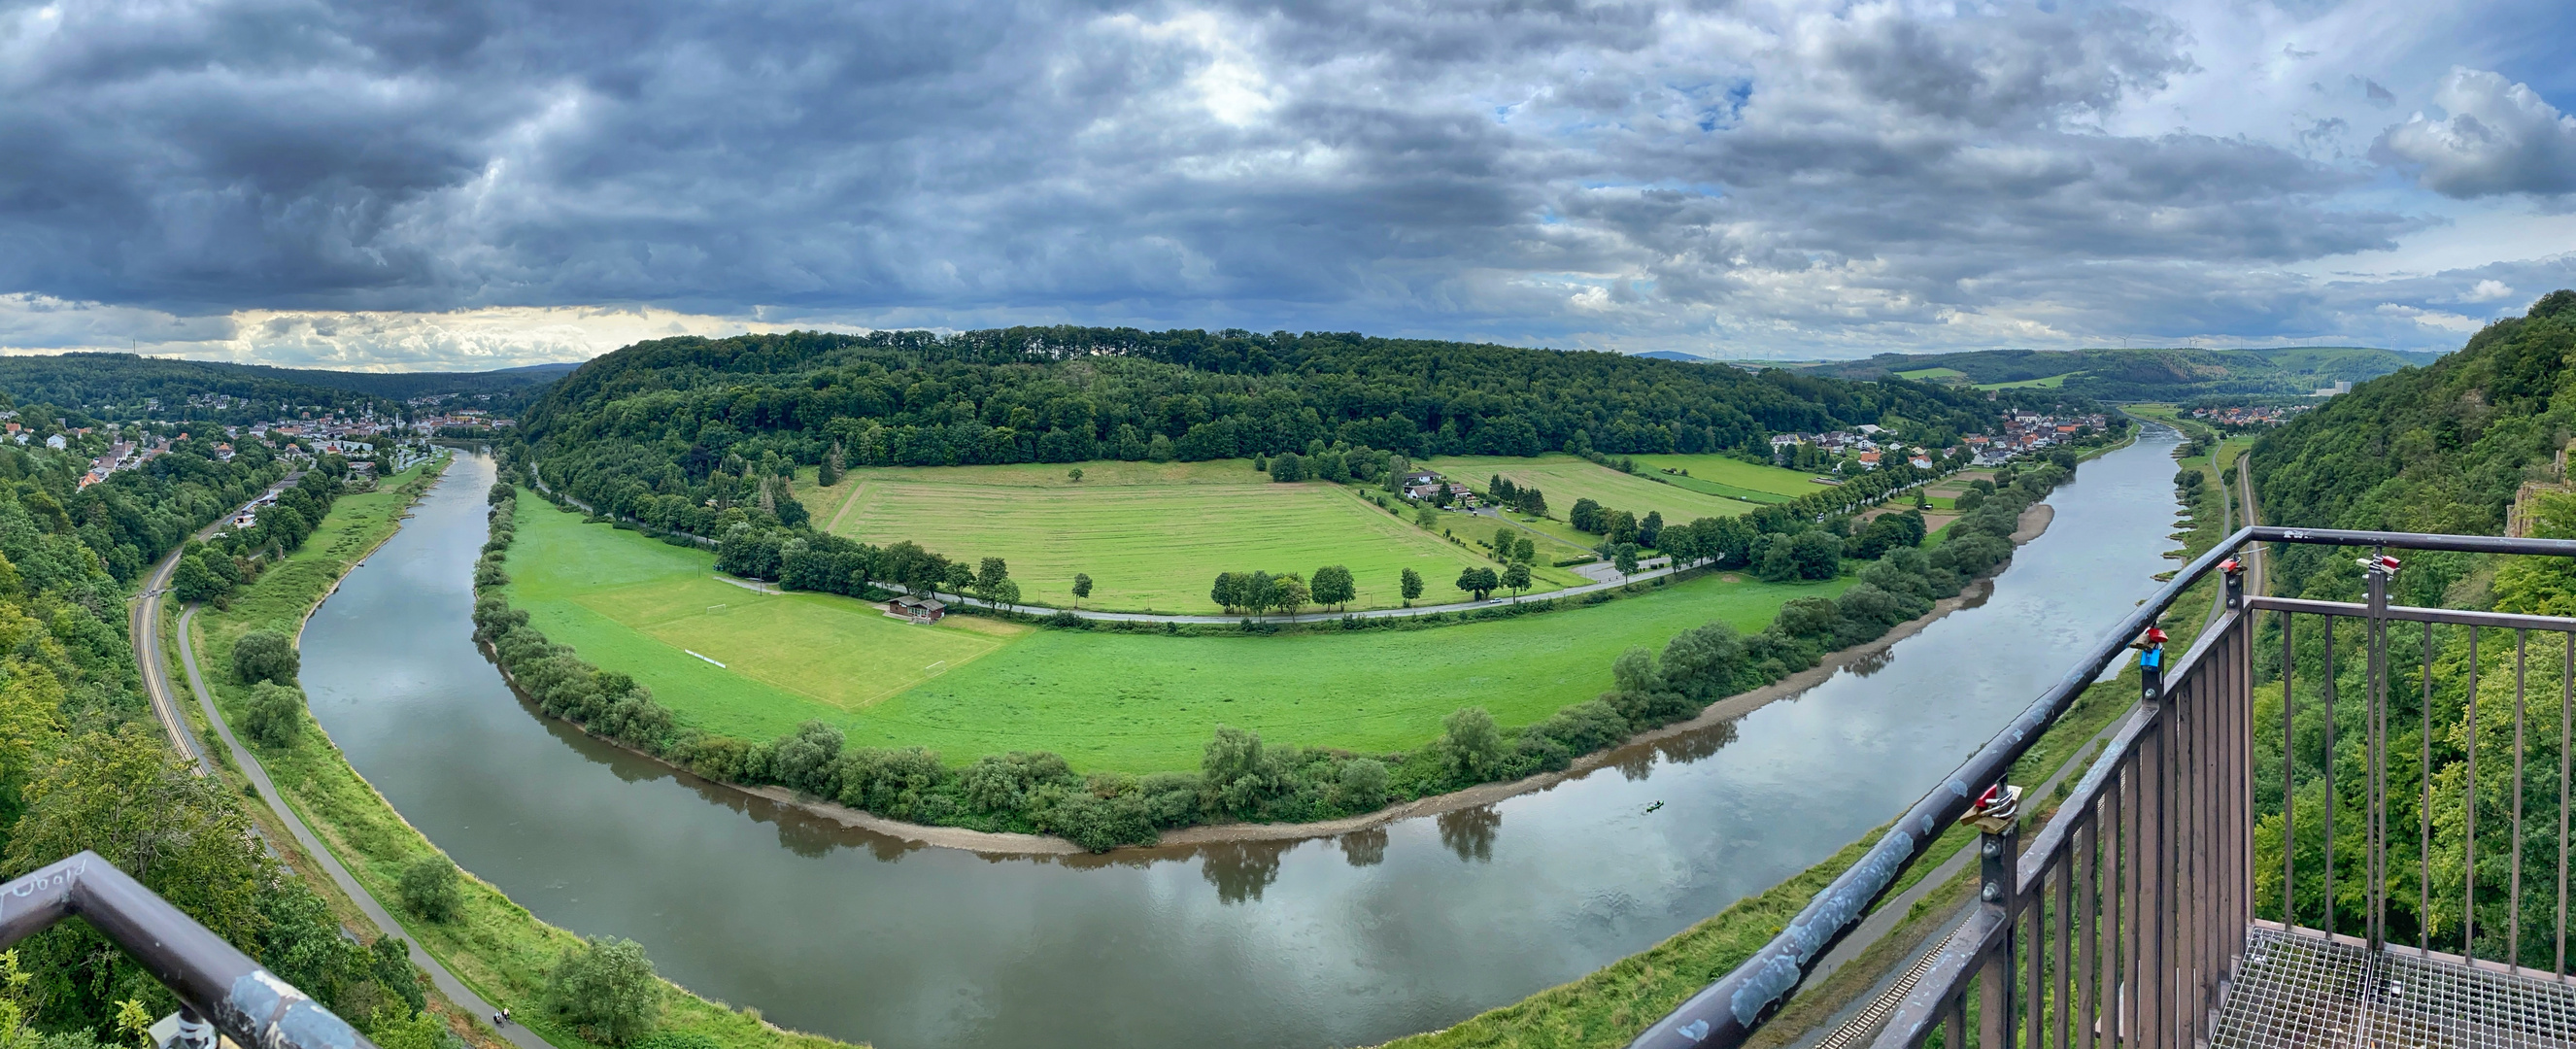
(641, 606)
(1152, 536)
(1736, 473)
(1131, 702)
(1142, 702)
(1565, 479)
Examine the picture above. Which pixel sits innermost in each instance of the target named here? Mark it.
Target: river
(1347, 941)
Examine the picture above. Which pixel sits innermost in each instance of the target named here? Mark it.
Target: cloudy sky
(458, 183)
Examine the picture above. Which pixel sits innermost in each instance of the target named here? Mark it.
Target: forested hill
(2145, 374)
(1067, 394)
(101, 382)
(2434, 449)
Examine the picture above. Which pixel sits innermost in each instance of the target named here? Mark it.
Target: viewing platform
(2148, 907)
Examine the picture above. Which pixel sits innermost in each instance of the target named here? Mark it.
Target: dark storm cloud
(1333, 163)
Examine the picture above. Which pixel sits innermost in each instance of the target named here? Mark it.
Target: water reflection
(1470, 832)
(1349, 940)
(1240, 870)
(1363, 848)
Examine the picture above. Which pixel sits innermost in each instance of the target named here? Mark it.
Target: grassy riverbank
(494, 945)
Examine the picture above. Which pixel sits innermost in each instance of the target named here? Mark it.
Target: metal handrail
(1728, 1011)
(211, 978)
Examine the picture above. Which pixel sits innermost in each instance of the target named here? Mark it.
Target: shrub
(1470, 744)
(1363, 784)
(265, 655)
(607, 989)
(275, 716)
(430, 888)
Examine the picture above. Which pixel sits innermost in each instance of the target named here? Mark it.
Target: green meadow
(1131, 702)
(1565, 479)
(1751, 478)
(2049, 383)
(1152, 536)
(653, 610)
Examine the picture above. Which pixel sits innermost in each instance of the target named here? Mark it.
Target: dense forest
(2148, 375)
(656, 430)
(2444, 448)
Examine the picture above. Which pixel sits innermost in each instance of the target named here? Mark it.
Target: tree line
(674, 432)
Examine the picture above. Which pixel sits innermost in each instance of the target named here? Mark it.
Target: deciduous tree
(1479, 581)
(1333, 585)
(265, 655)
(607, 989)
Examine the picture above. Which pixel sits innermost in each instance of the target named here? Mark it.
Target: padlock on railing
(2151, 664)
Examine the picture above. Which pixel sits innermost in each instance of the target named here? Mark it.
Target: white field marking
(935, 667)
(719, 666)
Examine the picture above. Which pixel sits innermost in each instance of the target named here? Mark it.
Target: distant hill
(117, 383)
(2141, 375)
(1675, 355)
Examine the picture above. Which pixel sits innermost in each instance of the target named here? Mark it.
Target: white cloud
(2488, 290)
(458, 340)
(2498, 137)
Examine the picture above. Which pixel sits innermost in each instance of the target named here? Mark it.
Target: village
(1867, 447)
(2251, 415)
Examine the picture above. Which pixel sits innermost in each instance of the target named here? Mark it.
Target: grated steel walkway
(2301, 990)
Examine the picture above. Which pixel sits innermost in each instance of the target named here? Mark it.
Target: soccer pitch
(1152, 536)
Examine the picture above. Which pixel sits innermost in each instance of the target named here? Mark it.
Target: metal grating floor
(2303, 991)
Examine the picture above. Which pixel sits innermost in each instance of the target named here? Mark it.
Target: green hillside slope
(2137, 375)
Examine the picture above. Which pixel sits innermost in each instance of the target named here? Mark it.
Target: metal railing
(2124, 918)
(213, 981)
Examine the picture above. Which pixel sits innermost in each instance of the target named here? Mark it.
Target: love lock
(1995, 810)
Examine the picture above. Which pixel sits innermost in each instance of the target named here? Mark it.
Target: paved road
(2255, 556)
(156, 682)
(143, 626)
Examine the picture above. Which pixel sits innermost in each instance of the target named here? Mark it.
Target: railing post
(1997, 817)
(2377, 570)
(2153, 998)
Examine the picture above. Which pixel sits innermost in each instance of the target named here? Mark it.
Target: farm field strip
(1736, 473)
(1129, 702)
(1565, 479)
(1156, 545)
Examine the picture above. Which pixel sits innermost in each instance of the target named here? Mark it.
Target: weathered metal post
(1997, 817)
